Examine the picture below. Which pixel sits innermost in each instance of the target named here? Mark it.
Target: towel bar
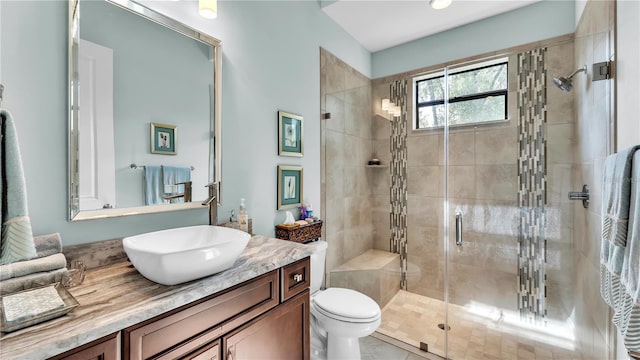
(136, 167)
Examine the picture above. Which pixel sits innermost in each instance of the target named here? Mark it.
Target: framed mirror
(144, 111)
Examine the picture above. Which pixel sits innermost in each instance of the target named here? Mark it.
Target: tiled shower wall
(346, 147)
(483, 184)
(594, 43)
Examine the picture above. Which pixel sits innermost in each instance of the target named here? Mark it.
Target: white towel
(173, 175)
(33, 280)
(17, 238)
(22, 268)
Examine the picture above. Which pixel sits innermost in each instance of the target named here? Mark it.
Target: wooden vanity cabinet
(184, 330)
(251, 320)
(266, 317)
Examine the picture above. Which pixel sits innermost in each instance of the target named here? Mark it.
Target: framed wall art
(163, 139)
(290, 134)
(289, 186)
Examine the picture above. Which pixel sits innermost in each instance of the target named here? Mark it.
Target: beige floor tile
(526, 354)
(493, 349)
(412, 319)
(542, 353)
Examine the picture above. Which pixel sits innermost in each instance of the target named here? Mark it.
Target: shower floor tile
(474, 334)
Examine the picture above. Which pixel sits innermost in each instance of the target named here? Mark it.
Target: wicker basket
(302, 233)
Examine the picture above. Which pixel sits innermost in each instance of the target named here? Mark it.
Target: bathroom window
(477, 94)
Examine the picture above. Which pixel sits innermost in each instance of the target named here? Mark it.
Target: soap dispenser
(243, 217)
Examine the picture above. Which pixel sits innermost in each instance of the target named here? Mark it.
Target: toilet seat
(346, 305)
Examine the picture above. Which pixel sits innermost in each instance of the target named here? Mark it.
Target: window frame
(475, 96)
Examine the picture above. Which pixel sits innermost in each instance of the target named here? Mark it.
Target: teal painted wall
(542, 20)
(270, 63)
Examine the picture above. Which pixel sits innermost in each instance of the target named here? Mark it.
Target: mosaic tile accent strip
(532, 182)
(398, 95)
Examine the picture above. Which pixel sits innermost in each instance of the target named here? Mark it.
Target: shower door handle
(459, 228)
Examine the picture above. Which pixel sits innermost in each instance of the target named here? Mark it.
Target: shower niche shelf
(377, 166)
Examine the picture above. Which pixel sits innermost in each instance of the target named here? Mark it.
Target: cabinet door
(280, 334)
(208, 352)
(106, 348)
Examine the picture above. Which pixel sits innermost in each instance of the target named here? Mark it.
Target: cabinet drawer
(294, 278)
(181, 331)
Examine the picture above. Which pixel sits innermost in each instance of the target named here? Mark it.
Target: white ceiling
(381, 24)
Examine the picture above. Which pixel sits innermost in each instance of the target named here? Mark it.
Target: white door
(95, 127)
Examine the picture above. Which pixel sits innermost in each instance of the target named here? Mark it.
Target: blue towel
(627, 315)
(153, 185)
(630, 276)
(620, 251)
(17, 238)
(173, 175)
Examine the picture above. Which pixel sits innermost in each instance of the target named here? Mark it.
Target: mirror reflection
(143, 111)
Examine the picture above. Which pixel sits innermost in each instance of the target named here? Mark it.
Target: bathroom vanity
(242, 313)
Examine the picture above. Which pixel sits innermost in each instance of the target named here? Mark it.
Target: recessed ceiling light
(439, 4)
(208, 8)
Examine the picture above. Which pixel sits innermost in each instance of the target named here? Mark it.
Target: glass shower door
(480, 234)
(508, 254)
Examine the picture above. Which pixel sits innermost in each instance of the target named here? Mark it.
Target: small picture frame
(290, 134)
(163, 139)
(289, 186)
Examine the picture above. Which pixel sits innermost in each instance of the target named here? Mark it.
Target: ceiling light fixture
(439, 4)
(208, 8)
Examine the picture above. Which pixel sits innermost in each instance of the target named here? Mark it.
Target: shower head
(564, 83)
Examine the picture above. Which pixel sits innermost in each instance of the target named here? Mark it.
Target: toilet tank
(317, 264)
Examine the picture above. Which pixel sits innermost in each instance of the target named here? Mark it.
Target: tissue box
(302, 233)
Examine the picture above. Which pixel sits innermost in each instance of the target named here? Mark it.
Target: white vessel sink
(183, 254)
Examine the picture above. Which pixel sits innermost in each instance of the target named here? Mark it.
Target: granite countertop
(115, 297)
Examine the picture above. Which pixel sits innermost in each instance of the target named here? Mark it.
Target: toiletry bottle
(243, 217)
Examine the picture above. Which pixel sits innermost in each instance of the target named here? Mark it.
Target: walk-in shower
(508, 290)
(479, 208)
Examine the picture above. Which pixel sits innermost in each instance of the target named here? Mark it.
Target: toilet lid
(347, 304)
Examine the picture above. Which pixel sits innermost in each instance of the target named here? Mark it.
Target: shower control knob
(581, 195)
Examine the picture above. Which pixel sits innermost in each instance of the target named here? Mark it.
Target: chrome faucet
(212, 202)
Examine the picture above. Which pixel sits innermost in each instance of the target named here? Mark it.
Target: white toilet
(339, 317)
